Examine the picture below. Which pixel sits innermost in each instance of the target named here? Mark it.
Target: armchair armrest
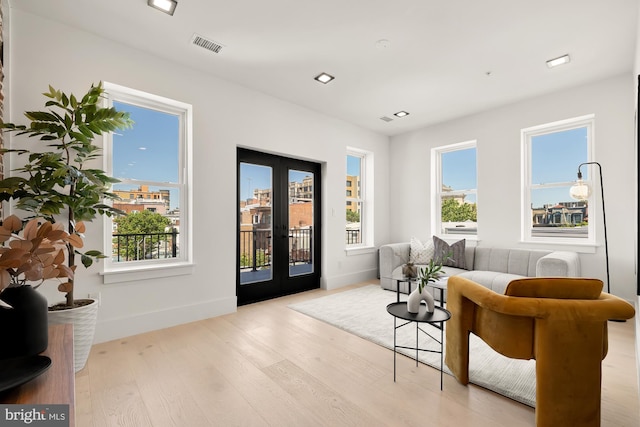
(392, 256)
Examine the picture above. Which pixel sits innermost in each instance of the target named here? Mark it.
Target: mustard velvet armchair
(559, 322)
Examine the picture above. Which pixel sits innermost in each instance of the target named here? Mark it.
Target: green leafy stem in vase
(432, 272)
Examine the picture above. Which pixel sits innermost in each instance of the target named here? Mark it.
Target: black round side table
(440, 315)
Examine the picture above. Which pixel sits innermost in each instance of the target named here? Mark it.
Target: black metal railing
(140, 246)
(353, 237)
(255, 248)
(300, 245)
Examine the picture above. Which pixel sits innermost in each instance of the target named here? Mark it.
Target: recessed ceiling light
(324, 78)
(401, 114)
(564, 59)
(166, 6)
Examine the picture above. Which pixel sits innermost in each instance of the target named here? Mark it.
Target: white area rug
(362, 312)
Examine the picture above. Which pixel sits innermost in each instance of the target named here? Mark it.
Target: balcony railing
(300, 244)
(256, 248)
(141, 246)
(353, 237)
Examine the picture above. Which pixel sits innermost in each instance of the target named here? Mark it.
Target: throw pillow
(451, 255)
(420, 253)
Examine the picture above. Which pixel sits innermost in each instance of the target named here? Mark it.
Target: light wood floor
(267, 365)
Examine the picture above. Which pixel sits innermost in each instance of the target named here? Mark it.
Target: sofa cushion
(452, 255)
(419, 252)
(494, 280)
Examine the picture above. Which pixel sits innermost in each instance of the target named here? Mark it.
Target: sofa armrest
(559, 264)
(392, 256)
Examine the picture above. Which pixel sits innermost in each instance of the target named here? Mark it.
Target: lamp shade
(580, 190)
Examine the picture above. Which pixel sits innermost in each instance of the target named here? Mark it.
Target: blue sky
(149, 150)
(556, 157)
(353, 165)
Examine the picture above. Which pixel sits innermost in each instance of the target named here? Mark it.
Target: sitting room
(295, 160)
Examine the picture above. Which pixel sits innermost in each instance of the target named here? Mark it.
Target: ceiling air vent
(206, 43)
(386, 119)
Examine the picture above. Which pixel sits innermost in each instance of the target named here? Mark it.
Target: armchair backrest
(508, 322)
(555, 287)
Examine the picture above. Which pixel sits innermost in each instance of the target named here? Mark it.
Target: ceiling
(443, 59)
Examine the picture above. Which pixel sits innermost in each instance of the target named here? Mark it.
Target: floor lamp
(581, 191)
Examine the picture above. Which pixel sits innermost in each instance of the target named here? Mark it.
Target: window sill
(360, 250)
(146, 272)
(580, 247)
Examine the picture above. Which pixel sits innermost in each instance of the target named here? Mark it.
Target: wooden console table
(57, 384)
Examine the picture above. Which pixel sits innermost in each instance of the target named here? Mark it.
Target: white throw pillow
(421, 253)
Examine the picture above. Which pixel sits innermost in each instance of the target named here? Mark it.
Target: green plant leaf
(86, 261)
(93, 253)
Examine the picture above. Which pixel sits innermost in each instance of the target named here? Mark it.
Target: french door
(278, 226)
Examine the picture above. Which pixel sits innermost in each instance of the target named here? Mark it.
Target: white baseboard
(112, 329)
(336, 282)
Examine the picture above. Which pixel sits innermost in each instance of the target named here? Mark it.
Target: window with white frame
(454, 189)
(359, 212)
(152, 163)
(552, 154)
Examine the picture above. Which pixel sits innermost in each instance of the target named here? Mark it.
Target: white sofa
(493, 268)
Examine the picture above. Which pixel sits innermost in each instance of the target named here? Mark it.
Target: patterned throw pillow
(455, 252)
(420, 253)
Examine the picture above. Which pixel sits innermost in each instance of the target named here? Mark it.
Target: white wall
(226, 116)
(497, 132)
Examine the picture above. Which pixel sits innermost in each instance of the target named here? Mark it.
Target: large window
(151, 162)
(455, 208)
(359, 211)
(551, 156)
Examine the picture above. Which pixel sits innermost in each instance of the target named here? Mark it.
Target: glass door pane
(256, 223)
(300, 222)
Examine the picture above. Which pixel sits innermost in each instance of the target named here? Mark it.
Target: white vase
(84, 325)
(416, 297)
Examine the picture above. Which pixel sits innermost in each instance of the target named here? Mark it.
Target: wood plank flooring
(268, 365)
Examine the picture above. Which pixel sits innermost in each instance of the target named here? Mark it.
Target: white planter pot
(416, 297)
(84, 326)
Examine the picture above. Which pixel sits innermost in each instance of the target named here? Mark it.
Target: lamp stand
(582, 193)
(604, 221)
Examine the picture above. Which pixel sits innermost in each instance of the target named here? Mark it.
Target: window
(359, 211)
(455, 210)
(551, 156)
(152, 162)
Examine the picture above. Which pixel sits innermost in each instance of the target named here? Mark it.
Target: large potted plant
(57, 184)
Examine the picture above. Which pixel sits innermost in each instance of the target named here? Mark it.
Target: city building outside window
(551, 155)
(454, 189)
(152, 163)
(359, 199)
